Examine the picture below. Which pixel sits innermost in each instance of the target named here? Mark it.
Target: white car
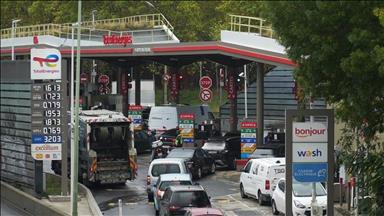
(163, 166)
(301, 198)
(259, 177)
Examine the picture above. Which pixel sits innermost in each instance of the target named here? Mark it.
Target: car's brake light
(267, 185)
(148, 180)
(173, 208)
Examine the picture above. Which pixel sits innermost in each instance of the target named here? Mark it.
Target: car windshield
(165, 184)
(262, 153)
(181, 153)
(159, 169)
(214, 145)
(190, 199)
(305, 189)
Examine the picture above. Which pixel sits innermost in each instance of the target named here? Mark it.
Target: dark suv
(225, 151)
(177, 198)
(197, 160)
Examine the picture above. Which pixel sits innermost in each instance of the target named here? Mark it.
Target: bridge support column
(260, 104)
(232, 96)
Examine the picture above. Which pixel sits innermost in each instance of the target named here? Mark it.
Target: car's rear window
(197, 199)
(166, 184)
(158, 169)
(181, 153)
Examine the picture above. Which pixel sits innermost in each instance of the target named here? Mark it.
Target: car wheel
(274, 209)
(242, 193)
(260, 198)
(213, 168)
(150, 198)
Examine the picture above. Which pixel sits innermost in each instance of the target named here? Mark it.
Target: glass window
(166, 184)
(159, 169)
(197, 199)
(181, 153)
(167, 194)
(282, 186)
(199, 153)
(305, 189)
(256, 170)
(247, 168)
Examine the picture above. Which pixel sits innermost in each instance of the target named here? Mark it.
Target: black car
(198, 160)
(225, 151)
(169, 137)
(177, 198)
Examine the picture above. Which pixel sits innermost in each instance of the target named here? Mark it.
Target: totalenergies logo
(50, 60)
(309, 132)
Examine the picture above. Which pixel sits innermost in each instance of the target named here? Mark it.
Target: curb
(27, 202)
(94, 207)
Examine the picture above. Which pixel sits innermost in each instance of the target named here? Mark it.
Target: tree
(339, 51)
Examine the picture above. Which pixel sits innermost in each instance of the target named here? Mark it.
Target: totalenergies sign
(45, 64)
(309, 132)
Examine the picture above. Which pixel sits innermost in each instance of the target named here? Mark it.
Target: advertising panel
(45, 64)
(248, 138)
(309, 132)
(186, 127)
(135, 114)
(310, 152)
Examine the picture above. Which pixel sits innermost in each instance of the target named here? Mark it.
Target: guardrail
(251, 25)
(108, 26)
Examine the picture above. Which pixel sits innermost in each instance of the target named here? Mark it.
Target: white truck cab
(260, 176)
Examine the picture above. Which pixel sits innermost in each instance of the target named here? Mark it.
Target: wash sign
(309, 151)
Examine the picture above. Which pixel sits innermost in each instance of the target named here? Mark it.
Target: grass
(191, 96)
(53, 185)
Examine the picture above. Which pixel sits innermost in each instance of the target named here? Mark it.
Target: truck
(105, 153)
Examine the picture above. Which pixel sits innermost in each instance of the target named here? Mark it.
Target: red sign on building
(117, 40)
(174, 84)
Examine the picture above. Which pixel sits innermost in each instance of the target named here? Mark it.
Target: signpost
(248, 138)
(134, 113)
(309, 155)
(205, 95)
(186, 127)
(205, 82)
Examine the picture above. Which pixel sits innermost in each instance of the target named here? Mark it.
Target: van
(259, 177)
(162, 118)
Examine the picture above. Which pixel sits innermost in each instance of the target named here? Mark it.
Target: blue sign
(310, 172)
(188, 140)
(37, 139)
(137, 121)
(248, 140)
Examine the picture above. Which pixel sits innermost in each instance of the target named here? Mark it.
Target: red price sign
(231, 87)
(174, 84)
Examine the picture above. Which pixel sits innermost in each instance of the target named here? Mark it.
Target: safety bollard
(120, 208)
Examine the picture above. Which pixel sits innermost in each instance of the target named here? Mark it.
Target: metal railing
(119, 24)
(251, 25)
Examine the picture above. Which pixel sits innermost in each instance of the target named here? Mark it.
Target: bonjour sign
(117, 40)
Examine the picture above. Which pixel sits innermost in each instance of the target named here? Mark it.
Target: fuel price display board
(48, 120)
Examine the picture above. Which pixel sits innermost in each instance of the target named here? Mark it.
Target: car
(268, 151)
(259, 177)
(163, 166)
(224, 151)
(177, 198)
(198, 160)
(203, 212)
(143, 141)
(166, 180)
(301, 198)
(169, 137)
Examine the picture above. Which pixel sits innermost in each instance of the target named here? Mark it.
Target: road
(222, 187)
(8, 209)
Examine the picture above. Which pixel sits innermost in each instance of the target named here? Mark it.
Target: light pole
(244, 75)
(14, 24)
(93, 73)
